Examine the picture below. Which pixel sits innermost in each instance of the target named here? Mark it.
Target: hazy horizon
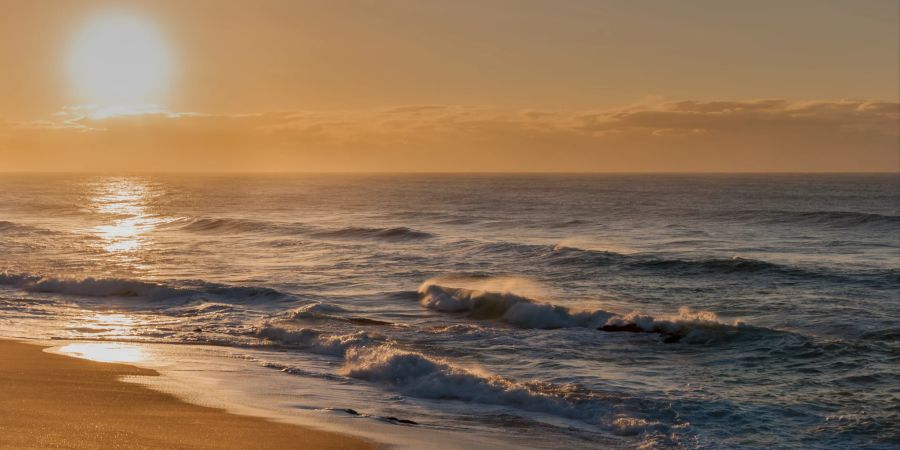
(201, 173)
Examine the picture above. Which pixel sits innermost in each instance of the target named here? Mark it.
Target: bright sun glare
(119, 59)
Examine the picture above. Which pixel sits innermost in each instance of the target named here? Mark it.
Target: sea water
(695, 311)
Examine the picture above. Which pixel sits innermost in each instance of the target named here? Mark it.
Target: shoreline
(53, 400)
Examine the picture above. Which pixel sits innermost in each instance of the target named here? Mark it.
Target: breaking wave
(322, 311)
(523, 312)
(313, 340)
(507, 307)
(687, 326)
(422, 376)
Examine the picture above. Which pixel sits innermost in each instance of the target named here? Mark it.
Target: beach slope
(55, 401)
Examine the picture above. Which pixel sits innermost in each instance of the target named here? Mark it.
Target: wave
(7, 226)
(91, 287)
(231, 225)
(507, 307)
(313, 340)
(831, 219)
(564, 255)
(687, 326)
(735, 264)
(146, 290)
(388, 234)
(418, 375)
(717, 265)
(234, 226)
(315, 310)
(569, 223)
(11, 227)
(323, 311)
(200, 309)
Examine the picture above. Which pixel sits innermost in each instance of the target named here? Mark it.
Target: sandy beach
(55, 401)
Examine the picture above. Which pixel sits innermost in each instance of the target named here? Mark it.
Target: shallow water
(741, 310)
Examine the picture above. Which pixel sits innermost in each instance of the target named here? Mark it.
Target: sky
(437, 86)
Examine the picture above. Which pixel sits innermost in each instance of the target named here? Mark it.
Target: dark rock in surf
(403, 421)
(671, 339)
(668, 338)
(630, 328)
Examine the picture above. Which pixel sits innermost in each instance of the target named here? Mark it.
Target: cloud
(757, 135)
(765, 116)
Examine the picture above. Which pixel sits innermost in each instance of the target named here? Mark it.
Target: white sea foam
(314, 310)
(419, 375)
(315, 341)
(422, 376)
(688, 325)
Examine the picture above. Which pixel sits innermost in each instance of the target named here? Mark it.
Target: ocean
(543, 311)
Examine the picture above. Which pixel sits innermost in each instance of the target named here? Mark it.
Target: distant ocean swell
(846, 220)
(391, 234)
(832, 219)
(656, 264)
(232, 226)
(559, 254)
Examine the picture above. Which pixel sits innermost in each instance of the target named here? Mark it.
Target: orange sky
(283, 85)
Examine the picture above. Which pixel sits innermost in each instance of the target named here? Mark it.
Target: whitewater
(543, 311)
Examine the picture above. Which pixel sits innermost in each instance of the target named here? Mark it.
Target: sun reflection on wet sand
(105, 352)
(106, 326)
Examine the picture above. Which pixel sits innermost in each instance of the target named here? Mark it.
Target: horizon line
(176, 172)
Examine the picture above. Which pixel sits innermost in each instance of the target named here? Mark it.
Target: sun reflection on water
(104, 325)
(125, 202)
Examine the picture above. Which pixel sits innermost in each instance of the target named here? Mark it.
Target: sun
(119, 59)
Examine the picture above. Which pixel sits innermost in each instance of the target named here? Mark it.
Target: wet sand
(55, 401)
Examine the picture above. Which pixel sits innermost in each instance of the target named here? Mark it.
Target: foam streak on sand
(52, 401)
